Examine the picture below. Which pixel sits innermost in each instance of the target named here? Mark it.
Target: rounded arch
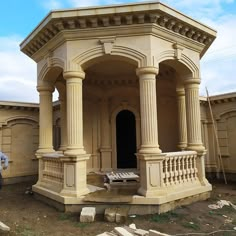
(125, 106)
(49, 65)
(183, 64)
(85, 59)
(226, 112)
(21, 119)
(115, 112)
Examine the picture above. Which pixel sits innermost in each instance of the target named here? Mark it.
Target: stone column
(148, 108)
(150, 156)
(105, 136)
(182, 119)
(74, 112)
(45, 119)
(75, 160)
(63, 145)
(193, 117)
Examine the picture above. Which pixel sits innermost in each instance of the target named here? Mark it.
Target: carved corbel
(59, 25)
(71, 24)
(107, 44)
(129, 19)
(48, 59)
(178, 51)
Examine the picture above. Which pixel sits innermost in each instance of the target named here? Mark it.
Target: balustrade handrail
(180, 153)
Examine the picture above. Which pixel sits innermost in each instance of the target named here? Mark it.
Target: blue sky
(19, 17)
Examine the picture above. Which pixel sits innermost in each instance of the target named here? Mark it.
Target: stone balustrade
(171, 170)
(180, 168)
(53, 171)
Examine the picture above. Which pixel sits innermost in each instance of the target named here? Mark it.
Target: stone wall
(224, 113)
(19, 140)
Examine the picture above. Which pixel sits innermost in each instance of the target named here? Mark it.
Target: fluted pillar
(45, 119)
(63, 145)
(148, 108)
(182, 119)
(193, 115)
(75, 160)
(74, 112)
(105, 136)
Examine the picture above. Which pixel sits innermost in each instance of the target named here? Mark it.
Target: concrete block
(122, 232)
(141, 232)
(87, 214)
(110, 214)
(106, 234)
(121, 215)
(132, 226)
(157, 233)
(4, 227)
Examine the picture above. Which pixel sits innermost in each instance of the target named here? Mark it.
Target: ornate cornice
(5, 105)
(115, 16)
(219, 99)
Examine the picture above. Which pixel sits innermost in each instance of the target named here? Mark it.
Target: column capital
(147, 70)
(45, 87)
(180, 92)
(74, 74)
(192, 81)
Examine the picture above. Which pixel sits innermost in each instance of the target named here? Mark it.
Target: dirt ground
(27, 216)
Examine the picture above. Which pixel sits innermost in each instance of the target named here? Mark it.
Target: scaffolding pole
(216, 138)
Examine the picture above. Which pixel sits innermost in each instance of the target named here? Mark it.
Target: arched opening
(126, 140)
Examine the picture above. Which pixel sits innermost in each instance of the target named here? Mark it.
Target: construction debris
(131, 230)
(116, 214)
(4, 227)
(87, 214)
(220, 204)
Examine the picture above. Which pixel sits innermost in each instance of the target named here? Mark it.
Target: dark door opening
(126, 140)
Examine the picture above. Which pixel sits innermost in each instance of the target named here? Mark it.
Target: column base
(62, 148)
(75, 175)
(42, 151)
(74, 152)
(150, 150)
(182, 146)
(151, 177)
(199, 148)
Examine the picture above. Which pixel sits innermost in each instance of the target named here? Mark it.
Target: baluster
(195, 167)
(183, 169)
(166, 171)
(171, 171)
(175, 170)
(191, 167)
(179, 170)
(187, 168)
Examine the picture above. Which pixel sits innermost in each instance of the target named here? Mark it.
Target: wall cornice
(156, 14)
(218, 99)
(7, 105)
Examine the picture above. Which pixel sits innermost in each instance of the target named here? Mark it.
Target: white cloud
(17, 72)
(200, 9)
(83, 3)
(218, 65)
(51, 4)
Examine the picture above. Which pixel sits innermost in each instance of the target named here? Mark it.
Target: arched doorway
(126, 140)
